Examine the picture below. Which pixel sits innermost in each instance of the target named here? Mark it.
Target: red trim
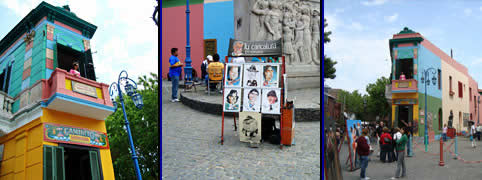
(400, 36)
(50, 36)
(405, 45)
(13, 44)
(49, 63)
(44, 18)
(67, 27)
(67, 142)
(26, 74)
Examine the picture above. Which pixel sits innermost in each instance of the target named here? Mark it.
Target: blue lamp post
(188, 67)
(426, 80)
(130, 87)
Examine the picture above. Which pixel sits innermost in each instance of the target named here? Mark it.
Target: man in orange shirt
(215, 71)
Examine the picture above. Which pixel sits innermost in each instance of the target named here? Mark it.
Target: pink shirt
(402, 77)
(74, 72)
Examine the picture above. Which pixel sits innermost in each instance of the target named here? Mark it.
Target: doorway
(405, 66)
(66, 56)
(404, 115)
(81, 163)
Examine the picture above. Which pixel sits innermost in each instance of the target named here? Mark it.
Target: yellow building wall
(454, 103)
(52, 116)
(23, 152)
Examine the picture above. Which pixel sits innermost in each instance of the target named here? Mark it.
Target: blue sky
(361, 30)
(126, 37)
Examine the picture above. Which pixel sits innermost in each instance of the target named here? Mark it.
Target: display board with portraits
(252, 87)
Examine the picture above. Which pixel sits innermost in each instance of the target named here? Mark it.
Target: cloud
(467, 11)
(391, 18)
(356, 26)
(480, 8)
(333, 22)
(361, 60)
(374, 2)
(477, 61)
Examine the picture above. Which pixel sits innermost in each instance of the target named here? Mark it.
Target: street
(425, 165)
(191, 148)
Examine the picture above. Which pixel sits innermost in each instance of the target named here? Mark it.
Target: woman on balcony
(75, 71)
(402, 76)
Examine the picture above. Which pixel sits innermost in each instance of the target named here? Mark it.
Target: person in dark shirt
(363, 150)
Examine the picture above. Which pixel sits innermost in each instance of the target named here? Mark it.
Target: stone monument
(297, 22)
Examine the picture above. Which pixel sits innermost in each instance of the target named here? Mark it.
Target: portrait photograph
(271, 101)
(270, 76)
(252, 100)
(232, 100)
(233, 75)
(252, 75)
(250, 127)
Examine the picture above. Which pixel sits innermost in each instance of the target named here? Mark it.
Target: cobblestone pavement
(191, 149)
(426, 165)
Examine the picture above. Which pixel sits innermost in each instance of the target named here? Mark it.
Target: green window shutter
(59, 163)
(54, 168)
(48, 169)
(94, 165)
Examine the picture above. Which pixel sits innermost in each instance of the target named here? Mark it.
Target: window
(66, 56)
(70, 161)
(461, 92)
(470, 94)
(439, 79)
(450, 83)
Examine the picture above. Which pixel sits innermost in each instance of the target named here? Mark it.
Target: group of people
(393, 145)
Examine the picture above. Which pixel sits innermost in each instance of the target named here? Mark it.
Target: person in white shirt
(444, 133)
(472, 133)
(479, 131)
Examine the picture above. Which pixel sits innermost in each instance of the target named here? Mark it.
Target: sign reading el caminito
(73, 135)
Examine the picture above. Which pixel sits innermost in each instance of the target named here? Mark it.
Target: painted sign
(354, 131)
(74, 135)
(405, 101)
(254, 48)
(84, 89)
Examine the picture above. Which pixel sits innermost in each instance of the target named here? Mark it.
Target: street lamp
(426, 81)
(130, 87)
(478, 104)
(188, 67)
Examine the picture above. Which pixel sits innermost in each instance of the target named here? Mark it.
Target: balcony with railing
(404, 86)
(76, 95)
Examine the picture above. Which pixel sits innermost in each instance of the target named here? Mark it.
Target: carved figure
(315, 44)
(273, 21)
(288, 37)
(305, 18)
(260, 8)
(299, 40)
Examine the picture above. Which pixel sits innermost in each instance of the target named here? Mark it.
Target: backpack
(362, 144)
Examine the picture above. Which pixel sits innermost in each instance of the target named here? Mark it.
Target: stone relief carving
(297, 22)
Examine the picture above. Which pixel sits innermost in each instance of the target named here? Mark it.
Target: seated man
(215, 72)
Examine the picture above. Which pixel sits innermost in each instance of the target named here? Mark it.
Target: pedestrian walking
(401, 143)
(385, 143)
(479, 131)
(378, 132)
(174, 73)
(444, 133)
(396, 136)
(472, 134)
(363, 150)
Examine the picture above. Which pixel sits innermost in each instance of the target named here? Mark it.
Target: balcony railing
(404, 86)
(76, 95)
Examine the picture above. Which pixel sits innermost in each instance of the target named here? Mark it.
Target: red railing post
(441, 163)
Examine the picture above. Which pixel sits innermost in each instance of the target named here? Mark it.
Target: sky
(361, 31)
(126, 37)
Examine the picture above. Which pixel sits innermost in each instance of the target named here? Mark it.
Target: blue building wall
(426, 59)
(219, 25)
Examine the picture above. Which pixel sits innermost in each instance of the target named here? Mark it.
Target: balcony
(404, 86)
(76, 95)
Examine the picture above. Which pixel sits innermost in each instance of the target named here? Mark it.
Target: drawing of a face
(237, 48)
(232, 97)
(233, 73)
(268, 73)
(272, 98)
(253, 96)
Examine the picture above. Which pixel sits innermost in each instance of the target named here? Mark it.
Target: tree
(328, 63)
(377, 102)
(353, 103)
(144, 124)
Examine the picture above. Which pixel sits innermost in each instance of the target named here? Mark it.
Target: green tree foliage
(328, 63)
(353, 103)
(377, 102)
(144, 125)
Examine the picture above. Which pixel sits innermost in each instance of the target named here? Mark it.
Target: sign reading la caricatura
(73, 135)
(254, 48)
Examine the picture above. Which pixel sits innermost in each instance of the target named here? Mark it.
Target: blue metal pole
(188, 67)
(410, 151)
(426, 113)
(456, 145)
(133, 150)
